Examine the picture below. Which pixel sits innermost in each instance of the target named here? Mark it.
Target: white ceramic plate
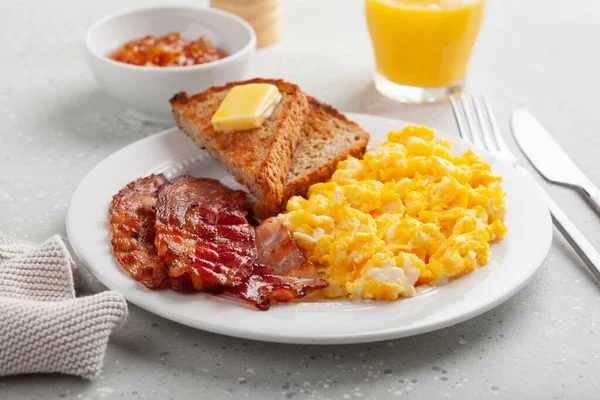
(513, 262)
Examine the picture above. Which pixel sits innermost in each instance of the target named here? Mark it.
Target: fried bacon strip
(132, 227)
(281, 272)
(192, 234)
(203, 235)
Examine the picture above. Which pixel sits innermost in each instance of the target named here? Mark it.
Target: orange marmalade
(167, 51)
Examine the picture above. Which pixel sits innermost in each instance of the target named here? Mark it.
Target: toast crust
(319, 120)
(258, 158)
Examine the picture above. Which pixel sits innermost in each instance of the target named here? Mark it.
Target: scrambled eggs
(409, 213)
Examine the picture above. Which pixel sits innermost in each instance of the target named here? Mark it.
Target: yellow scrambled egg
(409, 213)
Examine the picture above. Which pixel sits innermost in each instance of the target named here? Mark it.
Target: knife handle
(567, 228)
(592, 195)
(576, 239)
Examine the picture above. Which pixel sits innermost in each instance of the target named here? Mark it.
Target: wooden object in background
(263, 15)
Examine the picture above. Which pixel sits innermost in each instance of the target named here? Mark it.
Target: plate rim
(361, 337)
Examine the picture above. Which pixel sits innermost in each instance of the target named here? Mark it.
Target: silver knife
(548, 158)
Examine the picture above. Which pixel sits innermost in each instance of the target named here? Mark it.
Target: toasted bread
(258, 158)
(327, 138)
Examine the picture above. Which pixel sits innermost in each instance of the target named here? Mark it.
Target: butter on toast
(327, 138)
(257, 158)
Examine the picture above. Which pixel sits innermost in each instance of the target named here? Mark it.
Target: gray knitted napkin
(43, 326)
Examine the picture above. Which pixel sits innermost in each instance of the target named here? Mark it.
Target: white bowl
(147, 90)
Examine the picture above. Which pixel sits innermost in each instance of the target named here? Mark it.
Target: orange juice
(423, 43)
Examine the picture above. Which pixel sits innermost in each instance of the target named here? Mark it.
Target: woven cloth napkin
(44, 327)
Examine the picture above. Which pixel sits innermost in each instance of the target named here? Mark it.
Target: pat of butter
(246, 107)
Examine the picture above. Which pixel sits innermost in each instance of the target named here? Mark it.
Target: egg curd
(409, 213)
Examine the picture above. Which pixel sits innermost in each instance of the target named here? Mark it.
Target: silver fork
(481, 129)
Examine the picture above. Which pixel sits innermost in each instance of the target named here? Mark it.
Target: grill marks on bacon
(192, 234)
(203, 235)
(132, 226)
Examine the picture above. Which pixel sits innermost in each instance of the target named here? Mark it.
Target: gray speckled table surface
(544, 343)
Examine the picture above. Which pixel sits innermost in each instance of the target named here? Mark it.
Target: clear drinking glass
(422, 47)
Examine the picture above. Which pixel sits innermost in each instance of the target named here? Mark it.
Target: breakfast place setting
(288, 199)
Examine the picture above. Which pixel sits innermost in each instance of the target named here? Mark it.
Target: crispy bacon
(282, 273)
(192, 234)
(132, 226)
(203, 235)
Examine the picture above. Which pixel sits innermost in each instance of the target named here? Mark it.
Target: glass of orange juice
(422, 47)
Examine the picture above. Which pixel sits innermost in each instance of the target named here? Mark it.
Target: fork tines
(481, 130)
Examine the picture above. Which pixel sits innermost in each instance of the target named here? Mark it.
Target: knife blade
(548, 158)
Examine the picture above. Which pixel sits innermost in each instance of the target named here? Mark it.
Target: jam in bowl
(169, 50)
(207, 47)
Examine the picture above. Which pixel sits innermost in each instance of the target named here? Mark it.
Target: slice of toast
(257, 158)
(327, 138)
